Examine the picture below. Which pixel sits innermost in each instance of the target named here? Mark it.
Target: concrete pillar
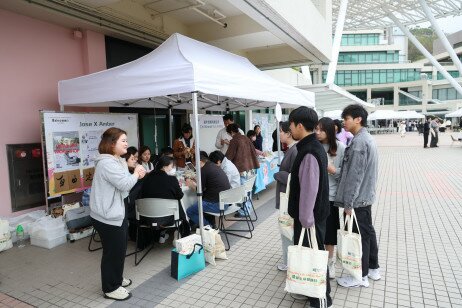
(395, 97)
(368, 94)
(426, 94)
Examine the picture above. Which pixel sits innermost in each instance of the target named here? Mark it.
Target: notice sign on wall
(71, 145)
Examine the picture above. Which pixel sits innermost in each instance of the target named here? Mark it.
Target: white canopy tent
(383, 115)
(183, 73)
(409, 115)
(455, 114)
(334, 114)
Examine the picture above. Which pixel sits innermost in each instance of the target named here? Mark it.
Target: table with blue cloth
(265, 173)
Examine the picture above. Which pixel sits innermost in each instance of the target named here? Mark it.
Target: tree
(426, 36)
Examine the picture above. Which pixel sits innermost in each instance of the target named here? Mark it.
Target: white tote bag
(349, 247)
(285, 222)
(307, 268)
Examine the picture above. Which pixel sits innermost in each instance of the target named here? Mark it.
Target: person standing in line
(325, 132)
(341, 134)
(309, 186)
(357, 190)
(223, 137)
(434, 133)
(111, 185)
(281, 178)
(258, 143)
(426, 132)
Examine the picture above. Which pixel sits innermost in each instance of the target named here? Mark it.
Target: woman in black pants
(111, 185)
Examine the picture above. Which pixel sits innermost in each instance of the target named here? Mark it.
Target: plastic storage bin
(48, 232)
(49, 242)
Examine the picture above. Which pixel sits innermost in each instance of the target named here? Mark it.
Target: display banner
(209, 126)
(71, 144)
(267, 124)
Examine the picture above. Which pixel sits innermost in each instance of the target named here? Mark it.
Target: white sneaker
(282, 267)
(350, 282)
(374, 274)
(120, 294)
(126, 282)
(331, 265)
(163, 238)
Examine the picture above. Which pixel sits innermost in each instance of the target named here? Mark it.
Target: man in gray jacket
(356, 190)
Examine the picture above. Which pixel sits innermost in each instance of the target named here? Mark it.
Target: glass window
(451, 94)
(355, 78)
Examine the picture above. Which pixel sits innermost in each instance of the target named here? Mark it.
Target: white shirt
(222, 134)
(232, 173)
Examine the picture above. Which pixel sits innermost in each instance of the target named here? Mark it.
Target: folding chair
(232, 197)
(248, 185)
(150, 208)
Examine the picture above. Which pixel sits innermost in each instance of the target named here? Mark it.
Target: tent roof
(455, 114)
(382, 115)
(178, 67)
(409, 115)
(331, 97)
(333, 114)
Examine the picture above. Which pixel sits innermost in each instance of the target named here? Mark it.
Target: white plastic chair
(155, 208)
(232, 197)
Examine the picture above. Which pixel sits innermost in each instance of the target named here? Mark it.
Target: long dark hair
(327, 125)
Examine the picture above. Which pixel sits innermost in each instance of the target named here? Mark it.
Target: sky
(449, 24)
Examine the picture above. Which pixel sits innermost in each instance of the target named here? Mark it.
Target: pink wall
(34, 56)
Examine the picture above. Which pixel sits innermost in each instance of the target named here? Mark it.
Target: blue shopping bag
(186, 265)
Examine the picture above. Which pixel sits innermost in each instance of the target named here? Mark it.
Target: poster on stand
(70, 142)
(209, 126)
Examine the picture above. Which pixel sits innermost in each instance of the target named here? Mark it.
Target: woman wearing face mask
(162, 183)
(252, 135)
(325, 133)
(281, 178)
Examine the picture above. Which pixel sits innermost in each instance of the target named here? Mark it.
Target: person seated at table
(131, 157)
(241, 151)
(252, 135)
(227, 166)
(162, 183)
(183, 147)
(145, 158)
(214, 181)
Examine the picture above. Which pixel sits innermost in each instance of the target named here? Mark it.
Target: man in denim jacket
(356, 190)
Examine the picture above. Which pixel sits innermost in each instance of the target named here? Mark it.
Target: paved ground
(417, 219)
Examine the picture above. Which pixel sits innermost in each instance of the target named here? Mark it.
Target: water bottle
(20, 236)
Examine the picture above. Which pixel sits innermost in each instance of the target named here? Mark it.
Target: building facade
(374, 66)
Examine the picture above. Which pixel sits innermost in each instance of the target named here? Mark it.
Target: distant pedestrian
(426, 131)
(434, 126)
(356, 190)
(325, 133)
(402, 129)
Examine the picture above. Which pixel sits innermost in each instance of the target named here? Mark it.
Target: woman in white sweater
(111, 184)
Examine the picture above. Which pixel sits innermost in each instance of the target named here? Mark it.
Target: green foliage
(426, 36)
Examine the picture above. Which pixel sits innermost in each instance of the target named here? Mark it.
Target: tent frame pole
(424, 51)
(198, 164)
(337, 40)
(441, 35)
